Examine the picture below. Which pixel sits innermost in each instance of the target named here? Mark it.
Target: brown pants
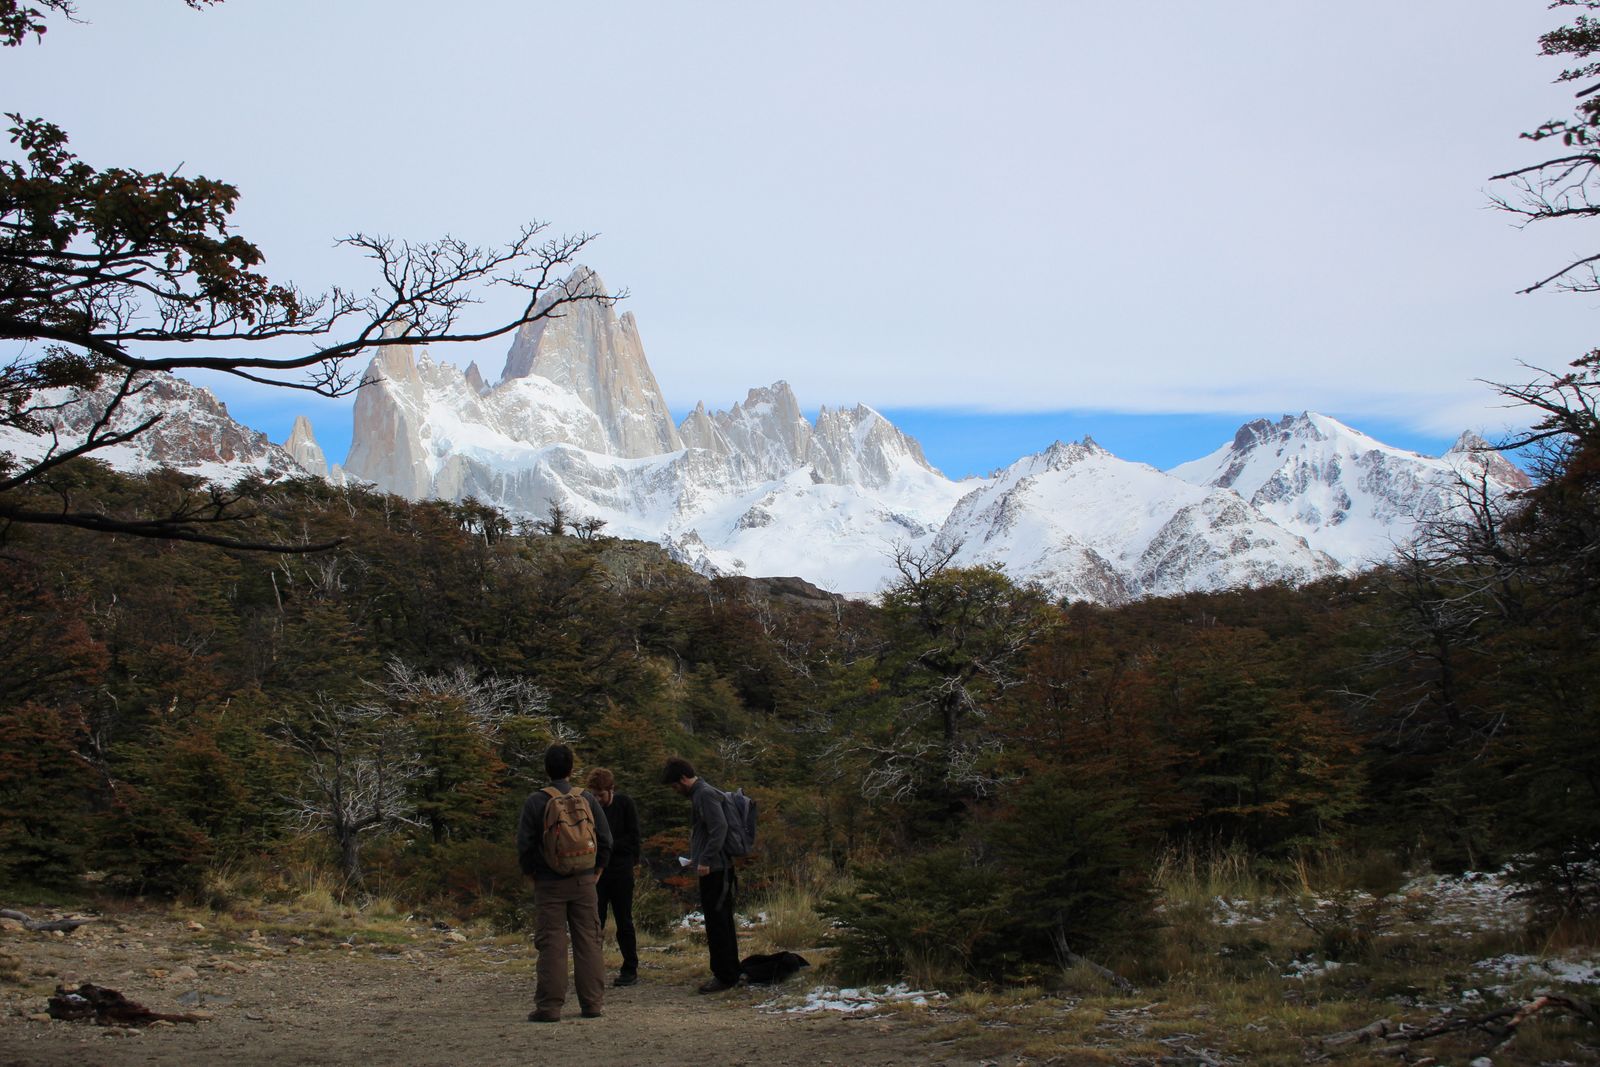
(563, 906)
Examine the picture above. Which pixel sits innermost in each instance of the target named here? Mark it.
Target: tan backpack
(569, 837)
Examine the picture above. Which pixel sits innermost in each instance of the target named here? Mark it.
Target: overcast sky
(1223, 210)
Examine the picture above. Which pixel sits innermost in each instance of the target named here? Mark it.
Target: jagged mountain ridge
(576, 418)
(759, 489)
(1090, 526)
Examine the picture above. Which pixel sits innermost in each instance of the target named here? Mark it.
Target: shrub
(940, 910)
(1057, 872)
(655, 909)
(145, 847)
(793, 921)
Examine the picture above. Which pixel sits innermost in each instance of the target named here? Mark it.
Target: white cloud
(1242, 205)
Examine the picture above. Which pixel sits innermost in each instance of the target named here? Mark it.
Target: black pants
(716, 902)
(615, 890)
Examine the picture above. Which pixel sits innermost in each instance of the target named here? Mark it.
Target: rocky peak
(700, 430)
(1059, 456)
(862, 447)
(1471, 453)
(302, 445)
(395, 363)
(1252, 434)
(587, 350)
(768, 430)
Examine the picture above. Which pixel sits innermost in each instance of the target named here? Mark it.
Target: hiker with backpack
(717, 833)
(615, 887)
(563, 842)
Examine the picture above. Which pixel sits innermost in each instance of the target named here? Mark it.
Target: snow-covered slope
(1354, 498)
(1090, 526)
(839, 533)
(576, 419)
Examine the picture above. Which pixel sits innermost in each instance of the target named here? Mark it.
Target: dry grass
(1195, 873)
(1217, 985)
(792, 919)
(792, 906)
(1221, 986)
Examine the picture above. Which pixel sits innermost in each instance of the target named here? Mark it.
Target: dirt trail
(437, 1003)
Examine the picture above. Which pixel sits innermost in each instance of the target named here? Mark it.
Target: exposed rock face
(302, 445)
(194, 432)
(700, 430)
(1473, 458)
(585, 349)
(1351, 496)
(391, 412)
(768, 431)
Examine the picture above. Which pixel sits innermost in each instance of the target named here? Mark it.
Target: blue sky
(1002, 224)
(962, 443)
(972, 443)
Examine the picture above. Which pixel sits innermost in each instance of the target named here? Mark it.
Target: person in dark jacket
(615, 887)
(708, 833)
(564, 904)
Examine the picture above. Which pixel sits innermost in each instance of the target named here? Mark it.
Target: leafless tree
(1567, 184)
(489, 701)
(359, 764)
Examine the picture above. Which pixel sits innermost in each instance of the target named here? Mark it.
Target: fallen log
(44, 924)
(108, 1007)
(1383, 1028)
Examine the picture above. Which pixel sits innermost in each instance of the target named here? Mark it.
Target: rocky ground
(416, 994)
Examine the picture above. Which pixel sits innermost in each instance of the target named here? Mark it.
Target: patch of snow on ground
(1312, 968)
(696, 920)
(1480, 900)
(851, 1001)
(1547, 968)
(1235, 912)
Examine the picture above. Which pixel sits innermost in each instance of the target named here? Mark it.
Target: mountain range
(576, 419)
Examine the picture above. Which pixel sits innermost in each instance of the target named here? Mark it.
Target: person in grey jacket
(708, 832)
(564, 904)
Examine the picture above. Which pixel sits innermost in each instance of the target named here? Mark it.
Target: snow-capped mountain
(1354, 498)
(1089, 526)
(193, 433)
(577, 419)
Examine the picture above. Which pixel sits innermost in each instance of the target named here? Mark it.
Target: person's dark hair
(677, 767)
(558, 761)
(601, 779)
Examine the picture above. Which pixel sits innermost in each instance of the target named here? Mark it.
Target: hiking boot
(543, 1017)
(626, 978)
(595, 1014)
(716, 985)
